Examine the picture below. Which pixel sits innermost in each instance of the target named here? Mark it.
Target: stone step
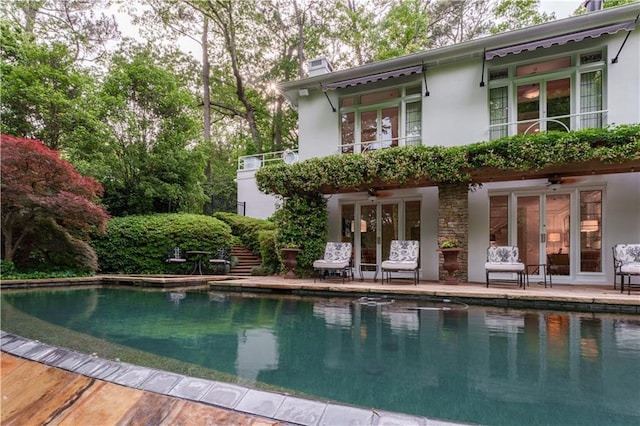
(246, 261)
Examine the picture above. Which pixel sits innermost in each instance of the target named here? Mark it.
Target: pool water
(441, 359)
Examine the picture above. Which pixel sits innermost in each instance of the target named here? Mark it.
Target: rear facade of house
(575, 73)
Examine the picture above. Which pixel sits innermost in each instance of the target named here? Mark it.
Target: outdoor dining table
(197, 255)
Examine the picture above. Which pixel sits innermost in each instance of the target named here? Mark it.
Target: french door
(379, 225)
(543, 231)
(371, 226)
(379, 128)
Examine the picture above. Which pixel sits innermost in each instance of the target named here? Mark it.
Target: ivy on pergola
(476, 163)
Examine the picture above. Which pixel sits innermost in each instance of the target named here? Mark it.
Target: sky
(562, 8)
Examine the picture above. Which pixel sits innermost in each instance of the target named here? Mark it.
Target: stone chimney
(319, 66)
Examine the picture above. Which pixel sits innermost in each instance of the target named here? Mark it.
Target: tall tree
(72, 23)
(43, 195)
(403, 30)
(150, 165)
(514, 14)
(45, 95)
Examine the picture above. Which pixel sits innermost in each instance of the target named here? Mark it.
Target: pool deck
(46, 384)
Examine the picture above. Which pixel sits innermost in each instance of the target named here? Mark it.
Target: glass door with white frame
(543, 232)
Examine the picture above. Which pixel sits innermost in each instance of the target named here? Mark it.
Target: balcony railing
(568, 122)
(362, 147)
(255, 161)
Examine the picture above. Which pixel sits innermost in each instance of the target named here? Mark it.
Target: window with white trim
(381, 119)
(561, 93)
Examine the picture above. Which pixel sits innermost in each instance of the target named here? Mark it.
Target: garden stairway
(246, 261)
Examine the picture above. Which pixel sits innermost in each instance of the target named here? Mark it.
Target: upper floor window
(381, 119)
(562, 93)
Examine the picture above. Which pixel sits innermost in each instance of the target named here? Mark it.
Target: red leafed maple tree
(41, 189)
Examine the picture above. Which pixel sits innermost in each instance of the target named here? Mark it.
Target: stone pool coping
(282, 407)
(582, 298)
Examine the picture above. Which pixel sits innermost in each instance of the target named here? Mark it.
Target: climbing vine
(450, 164)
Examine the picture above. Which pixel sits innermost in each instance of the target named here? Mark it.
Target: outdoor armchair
(505, 259)
(336, 259)
(626, 262)
(403, 257)
(222, 259)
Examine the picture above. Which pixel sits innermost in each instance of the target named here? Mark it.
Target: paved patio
(43, 384)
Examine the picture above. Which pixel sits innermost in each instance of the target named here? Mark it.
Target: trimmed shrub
(268, 253)
(139, 244)
(246, 228)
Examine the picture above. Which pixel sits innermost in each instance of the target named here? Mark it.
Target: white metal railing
(255, 161)
(362, 147)
(583, 120)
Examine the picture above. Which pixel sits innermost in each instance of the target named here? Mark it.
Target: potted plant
(289, 253)
(450, 247)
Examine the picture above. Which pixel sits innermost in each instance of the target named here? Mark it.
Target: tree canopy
(44, 196)
(162, 128)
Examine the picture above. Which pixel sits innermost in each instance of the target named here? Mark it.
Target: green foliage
(247, 229)
(268, 252)
(44, 93)
(303, 220)
(405, 165)
(403, 30)
(514, 14)
(148, 163)
(138, 244)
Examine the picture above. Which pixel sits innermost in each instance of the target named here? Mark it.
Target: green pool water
(440, 359)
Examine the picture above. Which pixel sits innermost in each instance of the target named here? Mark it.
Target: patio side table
(197, 255)
(369, 267)
(540, 268)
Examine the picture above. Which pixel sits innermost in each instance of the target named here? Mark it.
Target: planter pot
(290, 262)
(450, 264)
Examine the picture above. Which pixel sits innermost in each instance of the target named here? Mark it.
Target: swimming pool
(444, 360)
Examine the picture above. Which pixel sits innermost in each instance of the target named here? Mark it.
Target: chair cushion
(630, 268)
(222, 261)
(503, 254)
(324, 264)
(404, 265)
(402, 250)
(627, 253)
(337, 252)
(504, 266)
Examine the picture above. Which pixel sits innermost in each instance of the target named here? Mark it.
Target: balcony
(255, 161)
(563, 123)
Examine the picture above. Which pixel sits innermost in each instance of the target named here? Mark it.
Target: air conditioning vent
(319, 66)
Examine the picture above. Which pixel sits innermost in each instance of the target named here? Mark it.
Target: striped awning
(372, 78)
(560, 40)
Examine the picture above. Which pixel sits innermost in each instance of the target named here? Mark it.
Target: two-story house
(574, 73)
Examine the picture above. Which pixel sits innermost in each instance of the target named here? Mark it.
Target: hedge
(139, 244)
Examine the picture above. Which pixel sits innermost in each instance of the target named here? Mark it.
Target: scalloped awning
(372, 78)
(559, 40)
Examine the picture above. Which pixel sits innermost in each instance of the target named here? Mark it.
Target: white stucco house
(574, 73)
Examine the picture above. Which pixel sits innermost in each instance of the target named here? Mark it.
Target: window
(554, 94)
(590, 231)
(381, 119)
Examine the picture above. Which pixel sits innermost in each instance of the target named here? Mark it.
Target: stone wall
(453, 222)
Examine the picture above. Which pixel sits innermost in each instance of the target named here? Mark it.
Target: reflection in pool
(445, 360)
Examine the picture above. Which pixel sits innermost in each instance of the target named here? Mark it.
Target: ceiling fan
(554, 181)
(375, 193)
